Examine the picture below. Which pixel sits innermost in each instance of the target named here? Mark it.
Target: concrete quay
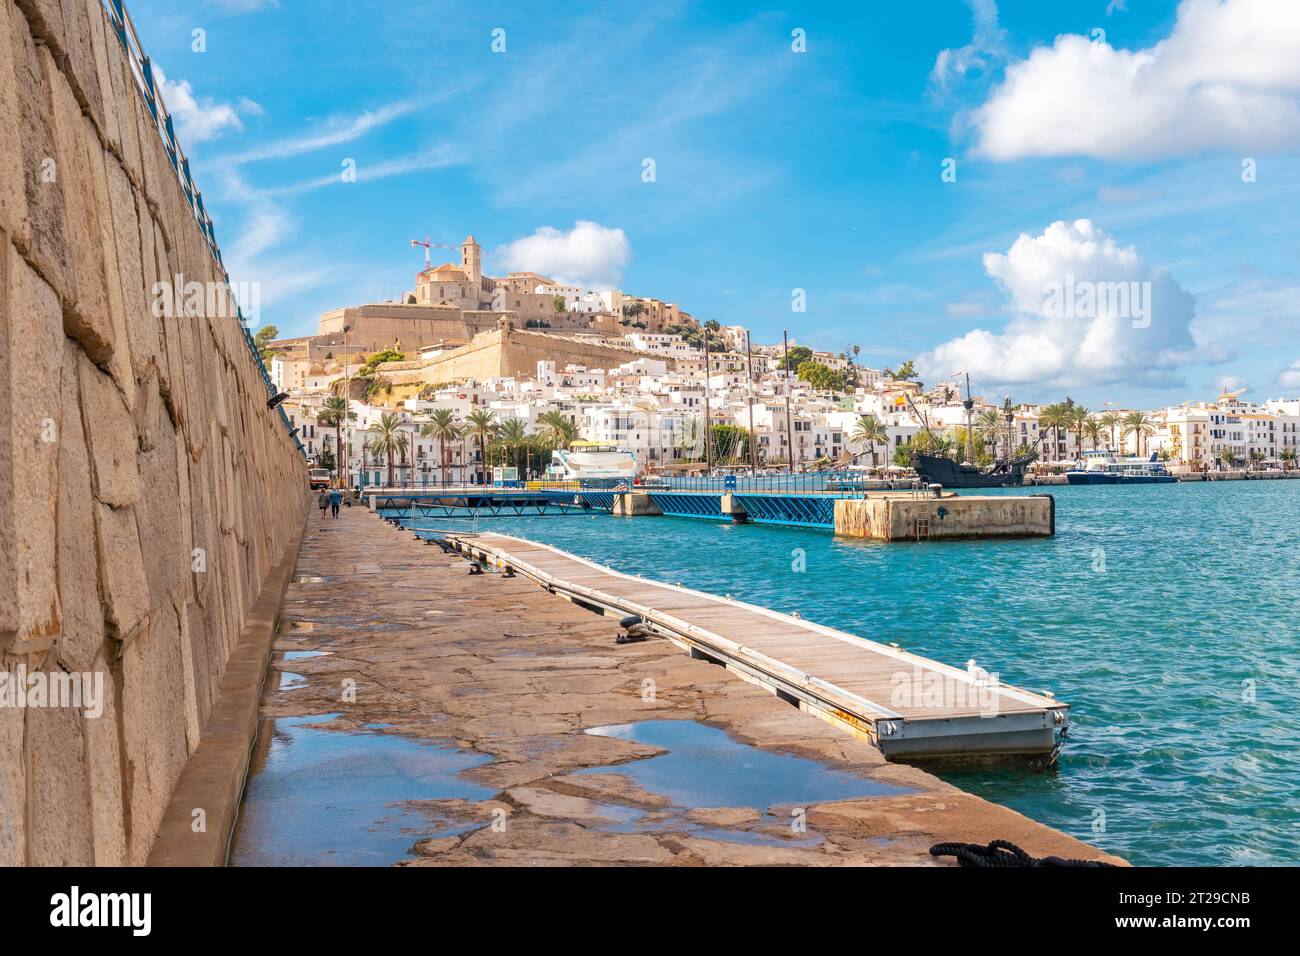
(498, 667)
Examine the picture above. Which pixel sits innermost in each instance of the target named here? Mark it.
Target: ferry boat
(1103, 468)
(589, 460)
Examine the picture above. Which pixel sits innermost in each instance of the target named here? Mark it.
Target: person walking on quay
(336, 497)
(323, 501)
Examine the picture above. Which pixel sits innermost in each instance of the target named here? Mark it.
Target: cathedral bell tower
(471, 260)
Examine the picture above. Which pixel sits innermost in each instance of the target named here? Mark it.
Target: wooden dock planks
(909, 706)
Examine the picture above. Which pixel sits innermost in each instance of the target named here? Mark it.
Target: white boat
(589, 460)
(1103, 468)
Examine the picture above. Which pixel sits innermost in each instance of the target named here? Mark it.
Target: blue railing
(143, 73)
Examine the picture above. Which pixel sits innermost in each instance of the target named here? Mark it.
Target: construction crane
(430, 245)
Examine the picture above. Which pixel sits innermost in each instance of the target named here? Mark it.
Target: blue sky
(778, 170)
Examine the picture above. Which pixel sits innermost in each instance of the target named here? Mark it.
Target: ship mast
(970, 437)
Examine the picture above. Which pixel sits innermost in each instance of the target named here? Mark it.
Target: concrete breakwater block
(913, 517)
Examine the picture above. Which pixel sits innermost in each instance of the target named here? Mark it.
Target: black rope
(1002, 853)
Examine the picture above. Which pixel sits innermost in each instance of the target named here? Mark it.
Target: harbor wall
(145, 488)
(895, 517)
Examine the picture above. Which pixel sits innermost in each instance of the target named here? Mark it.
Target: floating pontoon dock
(907, 705)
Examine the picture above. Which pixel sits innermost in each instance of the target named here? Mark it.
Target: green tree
(265, 335)
(1094, 430)
(1109, 421)
(559, 304)
(482, 424)
(990, 429)
(333, 414)
(870, 431)
(386, 355)
(1288, 458)
(1141, 425)
(798, 355)
(513, 436)
(1054, 418)
(557, 428)
(820, 376)
(386, 439)
(1077, 416)
(730, 443)
(443, 426)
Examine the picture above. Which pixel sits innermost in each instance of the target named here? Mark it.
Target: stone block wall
(145, 488)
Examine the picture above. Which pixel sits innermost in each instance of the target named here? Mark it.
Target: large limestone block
(86, 308)
(59, 812)
(106, 51)
(152, 726)
(31, 359)
(45, 231)
(45, 21)
(104, 773)
(129, 103)
(111, 430)
(82, 615)
(80, 63)
(13, 787)
(122, 583)
(115, 243)
(13, 172)
(158, 514)
(135, 280)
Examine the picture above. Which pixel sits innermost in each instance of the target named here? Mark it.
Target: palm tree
(334, 413)
(387, 439)
(1256, 458)
(482, 424)
(441, 425)
(870, 431)
(1093, 429)
(988, 428)
(557, 428)
(513, 435)
(1288, 457)
(1137, 423)
(1054, 418)
(1109, 421)
(1078, 416)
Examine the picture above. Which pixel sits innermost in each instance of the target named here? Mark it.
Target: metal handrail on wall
(143, 73)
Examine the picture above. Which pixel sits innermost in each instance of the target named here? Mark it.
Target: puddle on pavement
(320, 797)
(706, 767)
(291, 681)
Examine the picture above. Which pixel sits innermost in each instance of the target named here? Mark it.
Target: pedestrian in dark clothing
(324, 502)
(336, 497)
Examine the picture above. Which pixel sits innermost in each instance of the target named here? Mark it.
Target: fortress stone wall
(145, 488)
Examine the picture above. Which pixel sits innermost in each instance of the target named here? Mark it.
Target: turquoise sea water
(1167, 616)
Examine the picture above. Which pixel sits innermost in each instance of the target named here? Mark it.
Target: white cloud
(201, 118)
(1085, 345)
(1227, 76)
(1289, 377)
(589, 255)
(986, 49)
